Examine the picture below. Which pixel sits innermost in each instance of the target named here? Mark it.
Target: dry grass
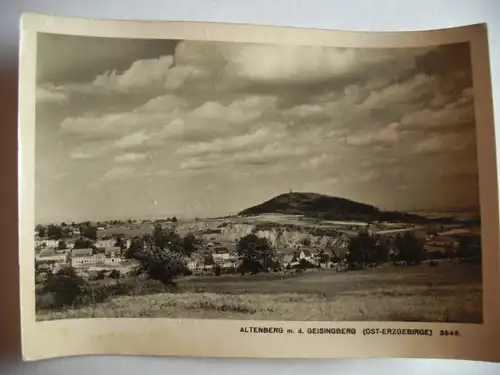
(452, 294)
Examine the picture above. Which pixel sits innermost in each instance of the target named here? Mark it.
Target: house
(47, 243)
(112, 259)
(286, 259)
(50, 254)
(221, 255)
(84, 259)
(81, 252)
(196, 261)
(227, 262)
(200, 262)
(112, 251)
(341, 241)
(306, 254)
(81, 257)
(103, 243)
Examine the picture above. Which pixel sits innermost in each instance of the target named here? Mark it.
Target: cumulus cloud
(50, 94)
(389, 134)
(445, 143)
(316, 162)
(88, 151)
(142, 73)
(168, 117)
(233, 111)
(269, 154)
(305, 110)
(286, 63)
(118, 173)
(265, 155)
(196, 164)
(409, 90)
(98, 126)
(130, 157)
(133, 140)
(165, 103)
(180, 75)
(213, 119)
(233, 144)
(443, 117)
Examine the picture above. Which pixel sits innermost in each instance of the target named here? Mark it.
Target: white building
(52, 255)
(113, 260)
(105, 243)
(47, 243)
(219, 256)
(87, 258)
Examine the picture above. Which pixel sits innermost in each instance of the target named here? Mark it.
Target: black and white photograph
(255, 181)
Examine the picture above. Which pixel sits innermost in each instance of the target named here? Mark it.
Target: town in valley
(223, 254)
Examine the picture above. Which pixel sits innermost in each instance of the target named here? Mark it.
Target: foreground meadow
(446, 293)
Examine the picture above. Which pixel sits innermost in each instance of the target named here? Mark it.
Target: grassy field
(446, 293)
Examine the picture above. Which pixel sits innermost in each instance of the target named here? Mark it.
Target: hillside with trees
(327, 208)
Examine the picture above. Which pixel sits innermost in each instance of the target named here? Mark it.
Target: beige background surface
(379, 15)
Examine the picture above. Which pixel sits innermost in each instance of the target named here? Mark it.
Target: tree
(217, 270)
(136, 245)
(167, 239)
(382, 251)
(449, 251)
(189, 244)
(159, 236)
(120, 243)
(305, 264)
(65, 286)
(62, 245)
(467, 248)
(41, 231)
(82, 243)
(54, 232)
(162, 265)
(410, 248)
(174, 220)
(90, 232)
(256, 254)
(361, 250)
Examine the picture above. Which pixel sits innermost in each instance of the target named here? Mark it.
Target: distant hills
(327, 208)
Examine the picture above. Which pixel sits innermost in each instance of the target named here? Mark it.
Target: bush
(469, 247)
(304, 264)
(256, 254)
(114, 274)
(230, 271)
(217, 270)
(411, 249)
(65, 287)
(161, 265)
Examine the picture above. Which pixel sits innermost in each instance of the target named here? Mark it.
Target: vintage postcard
(203, 189)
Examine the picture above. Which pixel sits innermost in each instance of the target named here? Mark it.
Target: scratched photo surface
(222, 180)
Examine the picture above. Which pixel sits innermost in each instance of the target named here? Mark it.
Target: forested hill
(325, 207)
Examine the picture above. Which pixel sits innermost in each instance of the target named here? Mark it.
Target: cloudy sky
(142, 128)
